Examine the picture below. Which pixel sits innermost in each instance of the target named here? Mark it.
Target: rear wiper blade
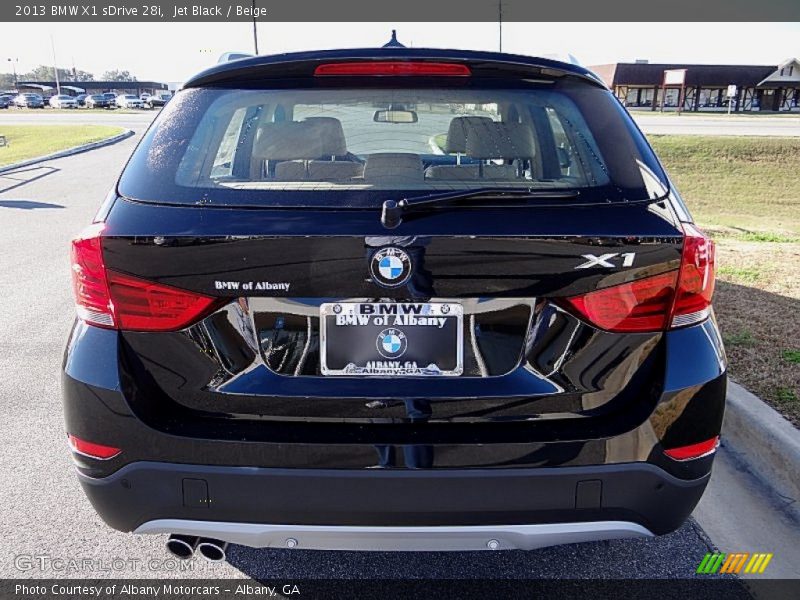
(393, 210)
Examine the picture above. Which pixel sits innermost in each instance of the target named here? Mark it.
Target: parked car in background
(81, 99)
(63, 101)
(158, 99)
(144, 97)
(4, 102)
(129, 101)
(111, 99)
(97, 101)
(29, 101)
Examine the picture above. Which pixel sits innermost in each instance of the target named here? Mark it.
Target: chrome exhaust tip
(212, 550)
(182, 546)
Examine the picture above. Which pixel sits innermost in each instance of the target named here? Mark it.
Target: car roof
(302, 64)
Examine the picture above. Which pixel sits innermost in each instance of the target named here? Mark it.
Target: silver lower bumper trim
(338, 537)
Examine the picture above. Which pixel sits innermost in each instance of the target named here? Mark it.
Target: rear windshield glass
(357, 147)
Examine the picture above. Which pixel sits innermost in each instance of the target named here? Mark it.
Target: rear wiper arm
(393, 210)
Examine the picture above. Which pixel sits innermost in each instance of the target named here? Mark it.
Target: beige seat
(471, 172)
(302, 147)
(508, 141)
(393, 168)
(456, 141)
(485, 139)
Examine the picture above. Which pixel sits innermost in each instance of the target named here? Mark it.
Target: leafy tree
(117, 75)
(6, 81)
(45, 73)
(78, 75)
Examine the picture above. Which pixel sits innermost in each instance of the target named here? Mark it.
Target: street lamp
(14, 62)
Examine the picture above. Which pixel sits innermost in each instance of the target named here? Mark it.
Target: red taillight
(696, 280)
(114, 300)
(145, 306)
(393, 68)
(666, 301)
(641, 305)
(91, 449)
(89, 284)
(694, 450)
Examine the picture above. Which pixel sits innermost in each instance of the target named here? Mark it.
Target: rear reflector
(694, 450)
(118, 301)
(92, 450)
(660, 302)
(392, 68)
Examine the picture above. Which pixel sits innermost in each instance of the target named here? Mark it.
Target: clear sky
(174, 51)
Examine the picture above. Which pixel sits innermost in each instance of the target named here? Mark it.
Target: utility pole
(500, 21)
(55, 65)
(255, 31)
(14, 62)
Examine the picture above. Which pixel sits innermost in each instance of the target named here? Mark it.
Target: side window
(568, 158)
(223, 161)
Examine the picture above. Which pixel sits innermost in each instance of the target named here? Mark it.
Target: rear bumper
(328, 508)
(388, 539)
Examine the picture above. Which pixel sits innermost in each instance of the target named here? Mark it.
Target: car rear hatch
(283, 298)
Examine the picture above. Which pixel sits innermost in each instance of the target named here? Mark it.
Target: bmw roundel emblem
(391, 343)
(390, 267)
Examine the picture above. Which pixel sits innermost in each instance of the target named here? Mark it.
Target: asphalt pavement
(718, 124)
(48, 528)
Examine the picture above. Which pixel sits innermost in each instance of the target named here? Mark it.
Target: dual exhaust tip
(184, 547)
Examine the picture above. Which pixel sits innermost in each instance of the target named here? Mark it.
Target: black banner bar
(405, 11)
(706, 587)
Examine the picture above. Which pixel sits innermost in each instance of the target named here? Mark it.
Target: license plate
(397, 339)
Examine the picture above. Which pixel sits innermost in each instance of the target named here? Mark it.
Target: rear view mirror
(395, 116)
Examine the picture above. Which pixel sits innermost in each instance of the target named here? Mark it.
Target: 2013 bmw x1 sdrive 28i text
(393, 299)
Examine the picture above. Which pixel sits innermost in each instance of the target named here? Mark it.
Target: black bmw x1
(393, 299)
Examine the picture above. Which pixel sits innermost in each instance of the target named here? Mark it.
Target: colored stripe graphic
(701, 568)
(710, 563)
(733, 563)
(740, 564)
(758, 563)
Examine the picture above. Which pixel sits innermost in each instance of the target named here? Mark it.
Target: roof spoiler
(229, 56)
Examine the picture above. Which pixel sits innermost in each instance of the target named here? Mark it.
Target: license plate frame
(419, 325)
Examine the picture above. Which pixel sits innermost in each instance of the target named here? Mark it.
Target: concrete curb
(68, 152)
(767, 442)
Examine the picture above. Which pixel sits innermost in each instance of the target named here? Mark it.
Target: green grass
(743, 338)
(742, 273)
(30, 141)
(791, 356)
(785, 395)
(745, 183)
(766, 236)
